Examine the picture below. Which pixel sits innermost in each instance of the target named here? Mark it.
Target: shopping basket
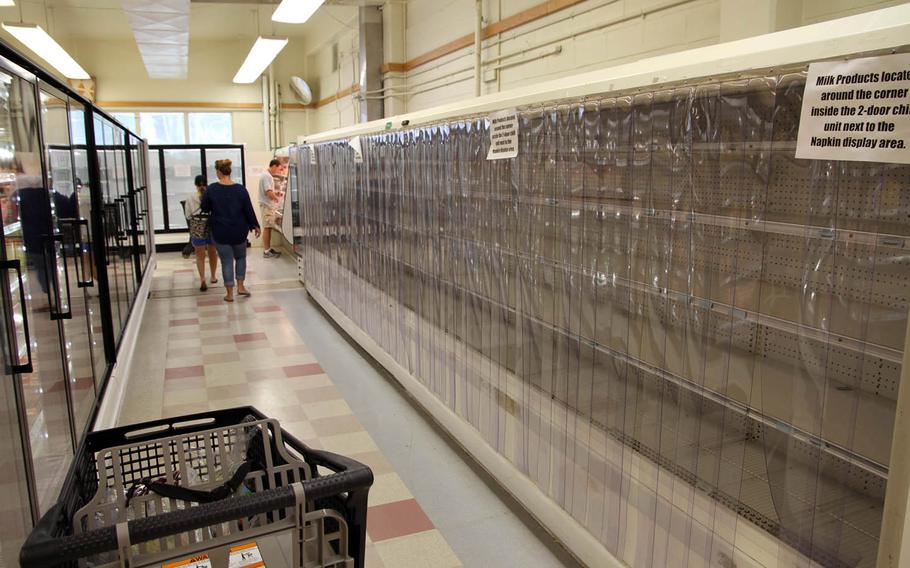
(161, 491)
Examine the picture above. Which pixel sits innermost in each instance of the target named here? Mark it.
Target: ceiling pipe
(478, 37)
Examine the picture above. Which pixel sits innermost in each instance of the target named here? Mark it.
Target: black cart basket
(152, 493)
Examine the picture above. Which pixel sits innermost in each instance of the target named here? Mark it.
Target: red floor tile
(209, 302)
(240, 337)
(302, 370)
(264, 309)
(189, 321)
(184, 372)
(400, 518)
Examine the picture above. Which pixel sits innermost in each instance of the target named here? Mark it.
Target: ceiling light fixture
(36, 39)
(295, 11)
(262, 53)
(6, 3)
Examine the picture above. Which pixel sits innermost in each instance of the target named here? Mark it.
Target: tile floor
(196, 351)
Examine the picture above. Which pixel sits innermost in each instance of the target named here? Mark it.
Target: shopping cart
(206, 486)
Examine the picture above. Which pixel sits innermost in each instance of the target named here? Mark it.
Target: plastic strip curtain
(688, 339)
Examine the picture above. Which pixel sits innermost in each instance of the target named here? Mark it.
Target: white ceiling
(209, 20)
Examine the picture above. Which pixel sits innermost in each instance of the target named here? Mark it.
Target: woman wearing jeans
(232, 219)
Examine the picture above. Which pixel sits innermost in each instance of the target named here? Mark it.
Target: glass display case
(688, 339)
(74, 247)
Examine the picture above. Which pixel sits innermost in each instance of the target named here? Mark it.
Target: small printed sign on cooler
(857, 110)
(503, 135)
(358, 151)
(245, 556)
(199, 561)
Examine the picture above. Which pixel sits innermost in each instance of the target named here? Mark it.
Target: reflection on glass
(180, 169)
(155, 189)
(87, 269)
(162, 127)
(214, 154)
(27, 237)
(16, 511)
(66, 198)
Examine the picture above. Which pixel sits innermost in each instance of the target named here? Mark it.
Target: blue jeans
(229, 254)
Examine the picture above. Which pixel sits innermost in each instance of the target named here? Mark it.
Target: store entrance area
(277, 351)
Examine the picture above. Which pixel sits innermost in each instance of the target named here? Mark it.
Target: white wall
(629, 30)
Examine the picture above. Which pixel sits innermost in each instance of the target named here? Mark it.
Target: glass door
(111, 221)
(85, 267)
(30, 252)
(121, 202)
(74, 273)
(16, 511)
(235, 155)
(180, 170)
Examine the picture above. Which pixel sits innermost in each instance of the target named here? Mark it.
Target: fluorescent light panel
(36, 39)
(263, 52)
(5, 3)
(295, 11)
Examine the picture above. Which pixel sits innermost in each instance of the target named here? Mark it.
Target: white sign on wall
(503, 135)
(857, 110)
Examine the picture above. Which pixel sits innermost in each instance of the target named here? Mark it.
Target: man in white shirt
(269, 200)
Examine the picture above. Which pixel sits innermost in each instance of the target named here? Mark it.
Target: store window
(127, 119)
(210, 128)
(162, 127)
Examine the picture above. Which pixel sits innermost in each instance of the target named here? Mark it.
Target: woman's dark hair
(274, 163)
(223, 167)
(200, 180)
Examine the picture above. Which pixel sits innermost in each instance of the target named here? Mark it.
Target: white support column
(394, 50)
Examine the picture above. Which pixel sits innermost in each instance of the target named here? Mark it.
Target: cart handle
(42, 550)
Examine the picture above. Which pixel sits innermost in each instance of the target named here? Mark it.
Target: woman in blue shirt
(232, 220)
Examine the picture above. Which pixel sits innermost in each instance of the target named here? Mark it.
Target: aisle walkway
(251, 352)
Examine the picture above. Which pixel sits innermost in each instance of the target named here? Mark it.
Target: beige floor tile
(296, 359)
(326, 409)
(184, 384)
(421, 550)
(309, 382)
(226, 357)
(220, 339)
(228, 403)
(298, 349)
(219, 348)
(185, 396)
(252, 345)
(301, 430)
(228, 392)
(337, 425)
(183, 409)
(348, 444)
(371, 557)
(376, 461)
(182, 352)
(320, 394)
(221, 374)
(387, 487)
(189, 361)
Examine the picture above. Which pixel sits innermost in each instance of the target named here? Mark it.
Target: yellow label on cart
(246, 556)
(201, 561)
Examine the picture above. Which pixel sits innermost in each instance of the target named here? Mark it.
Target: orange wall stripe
(537, 12)
(230, 106)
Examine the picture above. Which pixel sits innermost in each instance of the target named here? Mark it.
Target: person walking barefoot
(232, 220)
